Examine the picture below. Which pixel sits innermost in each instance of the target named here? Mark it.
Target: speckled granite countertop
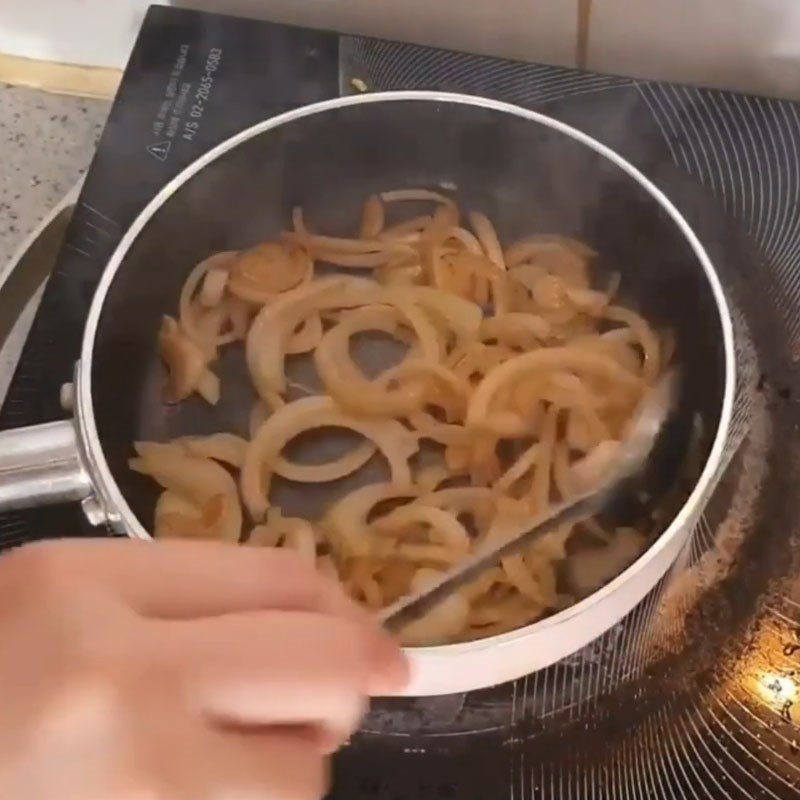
(46, 143)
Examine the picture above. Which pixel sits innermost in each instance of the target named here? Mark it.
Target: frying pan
(528, 172)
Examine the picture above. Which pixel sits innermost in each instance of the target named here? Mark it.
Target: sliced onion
(213, 288)
(461, 316)
(306, 337)
(410, 226)
(208, 387)
(443, 221)
(290, 532)
(589, 471)
(195, 479)
(330, 470)
(225, 447)
(345, 382)
(575, 358)
(516, 329)
(468, 240)
(186, 363)
(480, 500)
(487, 236)
(176, 517)
(445, 527)
(429, 427)
(190, 286)
(448, 379)
(274, 324)
(430, 476)
(396, 443)
(443, 622)
(369, 261)
(346, 520)
(417, 552)
(372, 218)
(338, 244)
(644, 333)
(558, 255)
(403, 274)
(260, 274)
(519, 469)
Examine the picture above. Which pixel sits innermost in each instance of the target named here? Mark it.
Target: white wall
(753, 45)
(91, 32)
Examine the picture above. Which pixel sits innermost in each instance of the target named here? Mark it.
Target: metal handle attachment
(41, 464)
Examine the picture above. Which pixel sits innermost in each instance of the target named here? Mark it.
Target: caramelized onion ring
(396, 443)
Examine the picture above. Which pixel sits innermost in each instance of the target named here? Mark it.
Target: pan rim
(112, 495)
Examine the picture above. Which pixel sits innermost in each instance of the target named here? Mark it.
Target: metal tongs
(653, 412)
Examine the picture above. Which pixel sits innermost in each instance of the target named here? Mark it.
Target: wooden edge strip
(72, 79)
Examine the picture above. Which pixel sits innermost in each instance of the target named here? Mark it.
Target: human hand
(178, 671)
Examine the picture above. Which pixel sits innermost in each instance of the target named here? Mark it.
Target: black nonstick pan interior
(526, 176)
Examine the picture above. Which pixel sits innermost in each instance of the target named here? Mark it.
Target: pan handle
(41, 464)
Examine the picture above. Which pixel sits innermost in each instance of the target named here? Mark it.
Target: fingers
(270, 765)
(267, 765)
(184, 580)
(275, 668)
(190, 579)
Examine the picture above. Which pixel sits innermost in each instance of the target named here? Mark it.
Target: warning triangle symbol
(160, 150)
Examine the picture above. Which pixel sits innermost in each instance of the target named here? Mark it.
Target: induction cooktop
(697, 693)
